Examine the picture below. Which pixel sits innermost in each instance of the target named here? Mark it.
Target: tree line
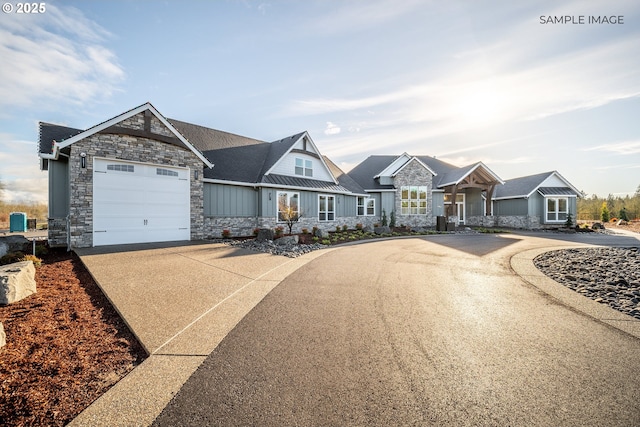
(595, 207)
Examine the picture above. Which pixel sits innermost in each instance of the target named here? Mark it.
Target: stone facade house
(140, 177)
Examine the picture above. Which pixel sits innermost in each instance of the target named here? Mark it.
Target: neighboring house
(140, 177)
(420, 188)
(534, 201)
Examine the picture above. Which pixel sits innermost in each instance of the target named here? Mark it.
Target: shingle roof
(364, 172)
(278, 149)
(50, 132)
(343, 179)
(525, 185)
(206, 139)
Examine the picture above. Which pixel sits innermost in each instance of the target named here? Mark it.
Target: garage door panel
(139, 204)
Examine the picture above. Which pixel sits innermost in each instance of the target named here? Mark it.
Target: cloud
(621, 148)
(332, 129)
(55, 57)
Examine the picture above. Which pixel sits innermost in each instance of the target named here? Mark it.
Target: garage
(139, 202)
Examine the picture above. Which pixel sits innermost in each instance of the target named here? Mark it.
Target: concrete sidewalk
(180, 301)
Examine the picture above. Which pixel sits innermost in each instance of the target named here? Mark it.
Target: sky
(525, 87)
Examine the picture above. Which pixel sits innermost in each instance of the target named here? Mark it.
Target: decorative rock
(15, 243)
(382, 230)
(17, 281)
(287, 240)
(265, 234)
(3, 336)
(323, 234)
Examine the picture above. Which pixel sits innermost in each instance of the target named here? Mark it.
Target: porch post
(452, 206)
(490, 189)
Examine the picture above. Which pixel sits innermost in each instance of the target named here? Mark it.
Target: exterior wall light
(83, 160)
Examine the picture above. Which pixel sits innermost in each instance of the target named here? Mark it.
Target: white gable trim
(394, 166)
(305, 134)
(147, 106)
(431, 171)
(561, 178)
(476, 166)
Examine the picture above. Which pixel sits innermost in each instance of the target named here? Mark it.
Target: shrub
(226, 233)
(37, 262)
(358, 226)
(326, 241)
(604, 213)
(314, 230)
(256, 231)
(279, 231)
(315, 239)
(392, 221)
(623, 214)
(384, 218)
(41, 251)
(305, 231)
(345, 228)
(569, 222)
(338, 228)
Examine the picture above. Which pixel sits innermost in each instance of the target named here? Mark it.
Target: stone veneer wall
(413, 174)
(125, 147)
(214, 226)
(527, 222)
(57, 232)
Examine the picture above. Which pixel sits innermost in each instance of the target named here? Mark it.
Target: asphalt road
(431, 331)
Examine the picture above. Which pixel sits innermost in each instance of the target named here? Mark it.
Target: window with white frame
(557, 209)
(413, 200)
(304, 167)
(366, 206)
(326, 207)
(288, 205)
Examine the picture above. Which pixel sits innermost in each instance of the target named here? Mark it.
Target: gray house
(140, 177)
(535, 201)
(420, 188)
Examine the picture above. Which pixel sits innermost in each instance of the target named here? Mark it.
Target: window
(557, 209)
(304, 167)
(366, 206)
(166, 172)
(326, 208)
(413, 200)
(288, 206)
(120, 168)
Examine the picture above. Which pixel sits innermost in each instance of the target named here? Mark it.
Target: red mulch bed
(66, 346)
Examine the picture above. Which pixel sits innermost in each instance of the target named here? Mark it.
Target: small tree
(604, 213)
(623, 214)
(384, 218)
(569, 222)
(392, 220)
(289, 215)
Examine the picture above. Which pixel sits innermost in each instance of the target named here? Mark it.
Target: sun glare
(479, 105)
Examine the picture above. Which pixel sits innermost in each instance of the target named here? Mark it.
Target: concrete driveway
(440, 330)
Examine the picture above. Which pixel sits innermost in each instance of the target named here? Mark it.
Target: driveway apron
(422, 331)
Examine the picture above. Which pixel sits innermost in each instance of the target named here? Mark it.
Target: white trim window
(413, 200)
(556, 209)
(326, 207)
(366, 206)
(304, 167)
(288, 205)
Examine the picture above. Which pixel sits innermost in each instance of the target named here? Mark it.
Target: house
(140, 177)
(535, 201)
(420, 188)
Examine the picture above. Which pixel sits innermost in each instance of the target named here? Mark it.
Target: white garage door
(139, 203)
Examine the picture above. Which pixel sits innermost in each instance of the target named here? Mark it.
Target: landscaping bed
(66, 346)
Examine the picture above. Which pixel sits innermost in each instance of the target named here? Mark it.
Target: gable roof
(117, 119)
(364, 173)
(49, 133)
(525, 186)
(344, 180)
(457, 175)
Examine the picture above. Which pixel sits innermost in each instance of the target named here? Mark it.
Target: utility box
(441, 223)
(31, 224)
(18, 222)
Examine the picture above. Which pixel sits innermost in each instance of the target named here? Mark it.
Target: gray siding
(511, 207)
(388, 203)
(536, 205)
(345, 205)
(59, 188)
(473, 202)
(438, 204)
(222, 200)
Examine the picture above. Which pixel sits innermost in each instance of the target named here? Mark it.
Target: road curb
(523, 266)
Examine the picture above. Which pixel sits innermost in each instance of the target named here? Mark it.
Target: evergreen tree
(604, 214)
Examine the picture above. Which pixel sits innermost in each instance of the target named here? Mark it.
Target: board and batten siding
(345, 205)
(511, 207)
(438, 203)
(474, 203)
(221, 200)
(287, 166)
(59, 188)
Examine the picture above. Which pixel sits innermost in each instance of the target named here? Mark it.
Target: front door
(459, 206)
